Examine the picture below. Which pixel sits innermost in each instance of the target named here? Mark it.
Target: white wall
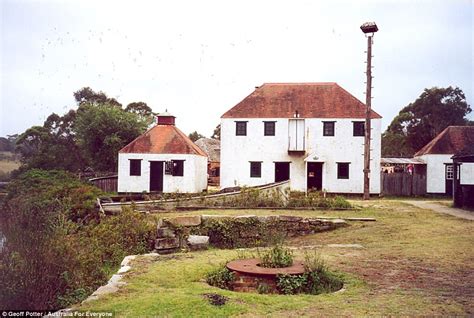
(467, 173)
(435, 172)
(194, 179)
(238, 151)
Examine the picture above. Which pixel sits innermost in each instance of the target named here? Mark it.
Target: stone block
(166, 243)
(268, 218)
(165, 232)
(198, 242)
(290, 218)
(193, 220)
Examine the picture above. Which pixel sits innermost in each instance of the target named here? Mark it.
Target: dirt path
(442, 209)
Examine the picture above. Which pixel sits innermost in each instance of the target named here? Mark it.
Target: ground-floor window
(178, 168)
(135, 167)
(255, 169)
(343, 170)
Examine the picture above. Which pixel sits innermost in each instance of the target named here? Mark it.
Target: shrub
(277, 257)
(316, 279)
(221, 277)
(291, 284)
(58, 249)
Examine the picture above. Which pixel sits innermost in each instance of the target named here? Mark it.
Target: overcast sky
(199, 58)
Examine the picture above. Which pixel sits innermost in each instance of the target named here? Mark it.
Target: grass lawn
(413, 262)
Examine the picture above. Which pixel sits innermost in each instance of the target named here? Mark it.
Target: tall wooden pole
(368, 100)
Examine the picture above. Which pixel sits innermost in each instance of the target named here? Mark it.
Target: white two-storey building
(309, 133)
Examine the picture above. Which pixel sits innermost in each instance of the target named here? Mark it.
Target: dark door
(449, 179)
(156, 176)
(314, 176)
(282, 171)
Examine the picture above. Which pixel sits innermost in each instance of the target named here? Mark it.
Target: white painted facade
(194, 177)
(238, 151)
(436, 172)
(467, 173)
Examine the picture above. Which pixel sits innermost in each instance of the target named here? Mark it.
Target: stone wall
(235, 231)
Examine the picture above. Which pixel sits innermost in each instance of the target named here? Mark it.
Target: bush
(317, 199)
(317, 279)
(221, 277)
(277, 257)
(58, 249)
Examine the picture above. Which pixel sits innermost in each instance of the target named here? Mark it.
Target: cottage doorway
(314, 176)
(282, 171)
(449, 176)
(156, 176)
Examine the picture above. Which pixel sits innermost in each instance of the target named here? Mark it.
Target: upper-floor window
(269, 128)
(343, 170)
(255, 169)
(241, 128)
(359, 128)
(328, 128)
(135, 167)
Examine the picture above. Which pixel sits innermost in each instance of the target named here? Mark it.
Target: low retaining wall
(237, 231)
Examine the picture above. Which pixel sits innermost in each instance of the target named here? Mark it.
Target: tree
(88, 96)
(102, 130)
(421, 121)
(142, 110)
(195, 136)
(51, 146)
(217, 132)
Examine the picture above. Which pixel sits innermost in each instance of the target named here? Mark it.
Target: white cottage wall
(467, 173)
(194, 179)
(238, 151)
(435, 172)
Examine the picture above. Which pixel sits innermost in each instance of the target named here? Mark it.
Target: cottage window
(359, 128)
(449, 172)
(328, 128)
(135, 167)
(255, 169)
(178, 168)
(269, 128)
(343, 170)
(241, 128)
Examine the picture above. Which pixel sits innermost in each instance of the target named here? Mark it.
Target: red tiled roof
(452, 140)
(163, 139)
(311, 100)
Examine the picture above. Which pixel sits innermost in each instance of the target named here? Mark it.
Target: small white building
(437, 155)
(309, 133)
(163, 159)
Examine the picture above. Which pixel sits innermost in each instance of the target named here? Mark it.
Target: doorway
(156, 176)
(449, 173)
(282, 171)
(314, 176)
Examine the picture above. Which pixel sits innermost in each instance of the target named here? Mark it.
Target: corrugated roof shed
(163, 139)
(452, 140)
(414, 161)
(311, 100)
(212, 147)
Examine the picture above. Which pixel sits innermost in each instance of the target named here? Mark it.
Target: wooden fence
(403, 184)
(106, 184)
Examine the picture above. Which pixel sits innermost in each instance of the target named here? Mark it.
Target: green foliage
(90, 136)
(291, 284)
(317, 279)
(252, 198)
(317, 199)
(195, 136)
(58, 249)
(421, 121)
(241, 232)
(221, 277)
(277, 257)
(102, 130)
